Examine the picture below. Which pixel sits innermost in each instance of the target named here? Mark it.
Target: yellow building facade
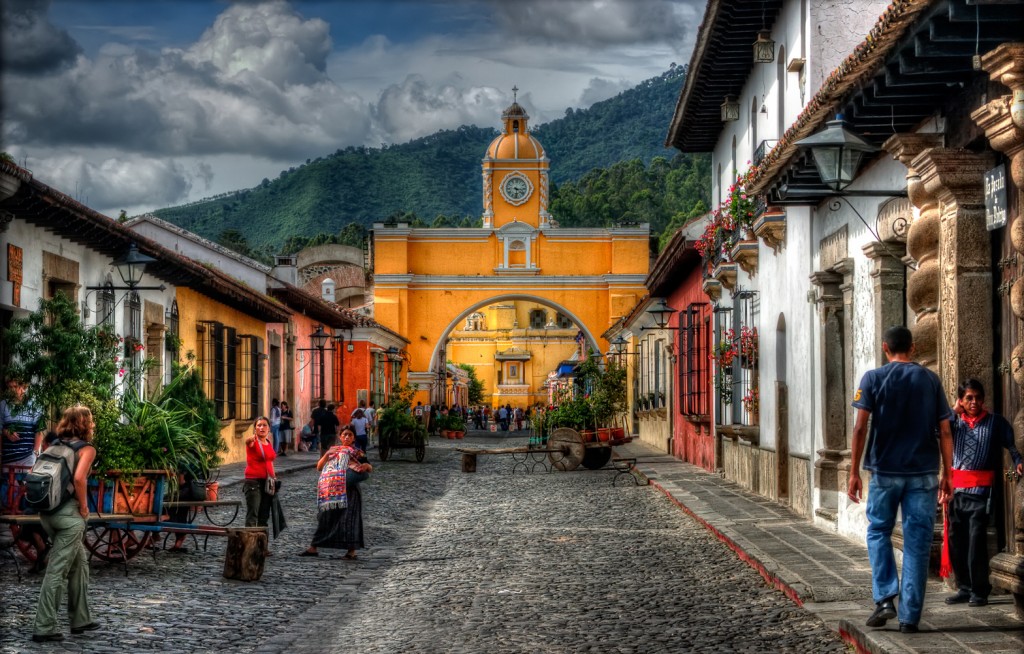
(427, 282)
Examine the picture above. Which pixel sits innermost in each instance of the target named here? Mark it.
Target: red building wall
(693, 438)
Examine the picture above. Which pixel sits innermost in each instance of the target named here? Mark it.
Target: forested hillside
(601, 169)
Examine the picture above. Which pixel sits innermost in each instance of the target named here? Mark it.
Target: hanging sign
(15, 260)
(995, 198)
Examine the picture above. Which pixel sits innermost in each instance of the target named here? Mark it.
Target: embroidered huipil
(976, 444)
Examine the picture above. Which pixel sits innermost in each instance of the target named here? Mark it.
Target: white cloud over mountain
(138, 128)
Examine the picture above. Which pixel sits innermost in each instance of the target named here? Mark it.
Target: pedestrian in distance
(360, 425)
(339, 501)
(910, 472)
(978, 441)
(275, 424)
(307, 436)
(68, 564)
(286, 429)
(327, 424)
(259, 466)
(22, 427)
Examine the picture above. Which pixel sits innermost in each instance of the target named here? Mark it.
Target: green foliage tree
(476, 386)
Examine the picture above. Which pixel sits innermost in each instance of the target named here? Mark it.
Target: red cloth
(973, 422)
(960, 479)
(259, 460)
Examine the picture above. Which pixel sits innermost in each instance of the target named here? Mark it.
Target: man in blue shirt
(22, 436)
(910, 432)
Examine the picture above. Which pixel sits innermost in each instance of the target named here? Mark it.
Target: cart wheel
(27, 547)
(570, 443)
(115, 544)
(421, 451)
(384, 450)
(596, 457)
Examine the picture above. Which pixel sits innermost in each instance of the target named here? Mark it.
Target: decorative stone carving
(725, 272)
(770, 227)
(889, 276)
(745, 255)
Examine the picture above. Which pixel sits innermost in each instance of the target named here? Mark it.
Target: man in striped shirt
(21, 422)
(978, 440)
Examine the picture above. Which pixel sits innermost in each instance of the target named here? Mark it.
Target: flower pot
(588, 435)
(604, 434)
(446, 434)
(212, 491)
(618, 433)
(460, 434)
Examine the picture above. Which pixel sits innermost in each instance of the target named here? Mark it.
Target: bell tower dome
(515, 173)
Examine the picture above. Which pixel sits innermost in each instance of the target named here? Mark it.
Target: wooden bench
(190, 528)
(195, 506)
(469, 456)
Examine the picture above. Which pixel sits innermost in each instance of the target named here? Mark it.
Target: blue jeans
(275, 434)
(916, 496)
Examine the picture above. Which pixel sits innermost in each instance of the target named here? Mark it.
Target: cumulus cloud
(116, 181)
(597, 22)
(600, 88)
(254, 83)
(414, 108)
(31, 44)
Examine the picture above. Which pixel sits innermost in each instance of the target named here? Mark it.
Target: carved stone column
(845, 268)
(888, 275)
(1003, 121)
(956, 179)
(831, 357)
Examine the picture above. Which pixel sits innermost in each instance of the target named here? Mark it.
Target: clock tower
(515, 174)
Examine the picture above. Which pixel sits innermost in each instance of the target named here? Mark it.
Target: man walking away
(907, 408)
(275, 423)
(978, 440)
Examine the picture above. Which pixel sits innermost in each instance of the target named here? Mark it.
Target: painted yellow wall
(194, 307)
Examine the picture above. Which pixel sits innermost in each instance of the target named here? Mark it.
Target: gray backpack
(50, 482)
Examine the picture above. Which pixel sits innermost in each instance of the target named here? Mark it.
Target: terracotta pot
(460, 434)
(588, 435)
(212, 491)
(618, 433)
(445, 433)
(604, 434)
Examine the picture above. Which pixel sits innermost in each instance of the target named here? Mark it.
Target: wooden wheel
(25, 543)
(115, 544)
(571, 445)
(596, 457)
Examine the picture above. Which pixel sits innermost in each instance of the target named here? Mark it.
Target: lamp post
(131, 266)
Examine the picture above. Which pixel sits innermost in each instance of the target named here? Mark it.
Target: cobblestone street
(485, 562)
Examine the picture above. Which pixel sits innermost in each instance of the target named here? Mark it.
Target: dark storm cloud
(254, 83)
(31, 44)
(596, 23)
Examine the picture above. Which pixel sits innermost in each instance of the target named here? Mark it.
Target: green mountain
(436, 179)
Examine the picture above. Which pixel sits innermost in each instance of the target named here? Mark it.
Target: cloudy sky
(143, 104)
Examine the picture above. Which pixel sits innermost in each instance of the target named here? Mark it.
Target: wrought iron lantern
(837, 153)
(764, 48)
(730, 109)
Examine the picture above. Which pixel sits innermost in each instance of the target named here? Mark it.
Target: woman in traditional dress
(340, 504)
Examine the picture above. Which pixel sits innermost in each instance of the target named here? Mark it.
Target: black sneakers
(884, 611)
(907, 628)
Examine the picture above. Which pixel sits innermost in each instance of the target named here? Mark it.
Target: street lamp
(837, 153)
(764, 48)
(661, 313)
(132, 265)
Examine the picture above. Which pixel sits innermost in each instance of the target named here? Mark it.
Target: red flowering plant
(752, 402)
(748, 347)
(739, 205)
(718, 236)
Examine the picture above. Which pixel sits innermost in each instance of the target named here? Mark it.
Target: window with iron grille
(378, 393)
(133, 330)
(538, 317)
(173, 338)
(247, 405)
(210, 357)
(694, 362)
(105, 302)
(230, 344)
(338, 370)
(564, 322)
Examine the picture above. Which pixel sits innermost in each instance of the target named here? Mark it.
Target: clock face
(516, 189)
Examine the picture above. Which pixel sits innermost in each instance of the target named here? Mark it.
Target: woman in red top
(259, 464)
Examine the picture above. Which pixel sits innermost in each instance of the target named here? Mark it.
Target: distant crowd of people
(503, 418)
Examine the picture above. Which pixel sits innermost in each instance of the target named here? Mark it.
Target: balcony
(762, 150)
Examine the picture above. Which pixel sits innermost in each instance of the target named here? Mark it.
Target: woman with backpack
(68, 562)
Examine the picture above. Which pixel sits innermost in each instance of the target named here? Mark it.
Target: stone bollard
(245, 553)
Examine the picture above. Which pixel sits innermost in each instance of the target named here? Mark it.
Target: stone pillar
(833, 414)
(889, 277)
(922, 247)
(1003, 121)
(955, 178)
(845, 268)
